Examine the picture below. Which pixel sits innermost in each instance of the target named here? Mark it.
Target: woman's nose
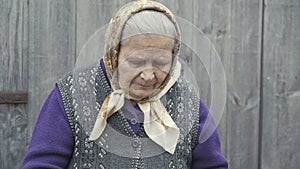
(148, 74)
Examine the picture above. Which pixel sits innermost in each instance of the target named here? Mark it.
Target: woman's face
(143, 64)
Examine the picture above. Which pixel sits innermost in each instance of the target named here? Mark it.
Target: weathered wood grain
(210, 17)
(52, 28)
(281, 85)
(242, 62)
(235, 29)
(92, 16)
(13, 135)
(13, 77)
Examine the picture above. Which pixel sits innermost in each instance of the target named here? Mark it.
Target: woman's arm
(208, 155)
(52, 140)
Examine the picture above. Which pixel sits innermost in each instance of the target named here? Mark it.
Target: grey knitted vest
(90, 154)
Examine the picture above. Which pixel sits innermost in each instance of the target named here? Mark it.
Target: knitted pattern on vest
(100, 153)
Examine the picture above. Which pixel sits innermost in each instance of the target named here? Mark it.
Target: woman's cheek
(126, 76)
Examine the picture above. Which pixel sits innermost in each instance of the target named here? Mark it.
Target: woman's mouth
(143, 87)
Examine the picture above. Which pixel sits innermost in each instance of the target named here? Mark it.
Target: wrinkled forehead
(145, 41)
(148, 46)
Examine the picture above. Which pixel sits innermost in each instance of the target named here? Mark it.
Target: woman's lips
(143, 87)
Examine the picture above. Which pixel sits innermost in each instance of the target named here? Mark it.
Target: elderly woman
(147, 115)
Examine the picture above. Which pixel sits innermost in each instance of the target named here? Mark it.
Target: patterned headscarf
(158, 124)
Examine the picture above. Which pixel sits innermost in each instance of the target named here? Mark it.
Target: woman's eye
(161, 63)
(136, 62)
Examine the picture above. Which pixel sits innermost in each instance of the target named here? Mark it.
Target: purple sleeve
(52, 140)
(208, 154)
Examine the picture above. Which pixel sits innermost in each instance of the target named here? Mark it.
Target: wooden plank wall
(281, 85)
(258, 42)
(13, 78)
